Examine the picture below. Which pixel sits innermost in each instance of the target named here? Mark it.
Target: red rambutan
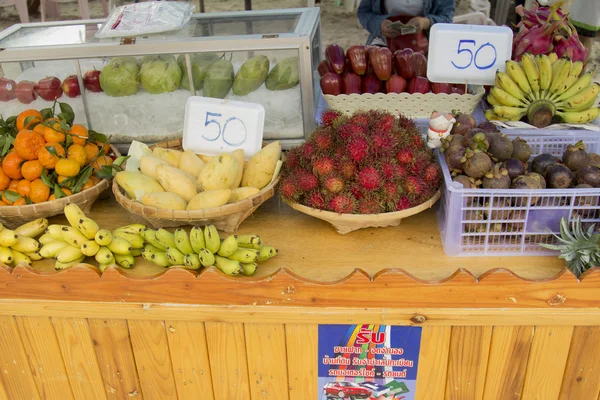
(384, 123)
(323, 140)
(403, 203)
(357, 193)
(308, 150)
(406, 123)
(369, 178)
(292, 158)
(405, 156)
(315, 200)
(288, 189)
(347, 169)
(306, 181)
(342, 204)
(391, 170)
(358, 149)
(334, 184)
(415, 186)
(369, 205)
(329, 117)
(432, 174)
(349, 130)
(389, 191)
(323, 166)
(360, 119)
(383, 143)
(416, 140)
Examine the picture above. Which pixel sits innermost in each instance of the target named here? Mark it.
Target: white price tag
(467, 53)
(213, 126)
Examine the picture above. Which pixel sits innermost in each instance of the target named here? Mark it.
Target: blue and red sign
(371, 362)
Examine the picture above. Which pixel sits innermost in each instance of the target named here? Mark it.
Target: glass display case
(142, 83)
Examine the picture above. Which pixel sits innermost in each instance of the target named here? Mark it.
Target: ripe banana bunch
(83, 237)
(236, 254)
(541, 87)
(19, 246)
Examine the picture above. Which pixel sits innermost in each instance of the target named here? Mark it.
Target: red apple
(396, 84)
(25, 92)
(352, 83)
(49, 88)
(70, 86)
(332, 83)
(91, 80)
(7, 89)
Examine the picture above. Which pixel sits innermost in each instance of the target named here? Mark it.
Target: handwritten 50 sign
(467, 53)
(212, 126)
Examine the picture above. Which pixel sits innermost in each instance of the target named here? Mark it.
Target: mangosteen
(525, 182)
(464, 123)
(543, 161)
(455, 156)
(501, 147)
(559, 176)
(477, 139)
(453, 140)
(514, 167)
(468, 183)
(575, 156)
(521, 150)
(488, 127)
(501, 209)
(589, 175)
(594, 159)
(584, 186)
(497, 178)
(539, 177)
(477, 164)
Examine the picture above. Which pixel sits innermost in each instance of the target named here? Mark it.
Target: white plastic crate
(488, 222)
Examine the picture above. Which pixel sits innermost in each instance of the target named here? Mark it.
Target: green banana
(20, 258)
(135, 229)
(55, 231)
(227, 266)
(103, 266)
(245, 255)
(191, 261)
(50, 250)
(90, 248)
(136, 252)
(125, 260)
(174, 256)
(60, 265)
(8, 237)
(6, 255)
(249, 269)
(211, 238)
(103, 237)
(136, 241)
(197, 239)
(149, 236)
(73, 236)
(68, 254)
(119, 246)
(267, 252)
(207, 258)
(182, 241)
(88, 227)
(105, 256)
(249, 241)
(228, 246)
(33, 229)
(160, 258)
(165, 238)
(26, 244)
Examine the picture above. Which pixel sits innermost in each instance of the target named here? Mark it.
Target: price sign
(467, 53)
(213, 126)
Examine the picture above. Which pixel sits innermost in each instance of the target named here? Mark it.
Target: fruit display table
(493, 328)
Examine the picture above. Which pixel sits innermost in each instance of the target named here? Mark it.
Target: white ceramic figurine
(440, 125)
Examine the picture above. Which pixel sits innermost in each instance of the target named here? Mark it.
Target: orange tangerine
(79, 134)
(35, 115)
(76, 152)
(66, 167)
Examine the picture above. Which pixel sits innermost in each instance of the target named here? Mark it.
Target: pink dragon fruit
(538, 16)
(537, 40)
(571, 47)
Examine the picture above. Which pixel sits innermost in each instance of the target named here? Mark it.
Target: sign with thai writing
(372, 362)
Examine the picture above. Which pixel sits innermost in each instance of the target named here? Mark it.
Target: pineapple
(581, 250)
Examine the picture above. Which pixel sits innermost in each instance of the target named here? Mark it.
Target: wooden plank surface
(45, 358)
(75, 341)
(582, 373)
(302, 341)
(151, 351)
(16, 376)
(267, 361)
(227, 353)
(115, 358)
(509, 352)
(433, 361)
(189, 356)
(468, 359)
(546, 364)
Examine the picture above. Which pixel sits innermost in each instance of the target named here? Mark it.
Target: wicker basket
(13, 217)
(415, 105)
(226, 218)
(346, 223)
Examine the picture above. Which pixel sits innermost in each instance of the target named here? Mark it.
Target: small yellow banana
(267, 252)
(517, 74)
(55, 231)
(245, 255)
(73, 236)
(249, 241)
(492, 100)
(490, 115)
(34, 256)
(582, 83)
(207, 258)
(165, 238)
(105, 256)
(88, 227)
(149, 236)
(228, 246)
(137, 242)
(545, 68)
(125, 260)
(182, 241)
(228, 266)
(249, 269)
(6, 255)
(191, 261)
(73, 214)
(561, 76)
(579, 117)
(553, 57)
(60, 265)
(8, 237)
(103, 266)
(505, 98)
(133, 228)
(69, 254)
(33, 229)
(103, 237)
(45, 239)
(533, 73)
(20, 258)
(50, 250)
(158, 258)
(582, 100)
(509, 86)
(576, 69)
(26, 244)
(119, 246)
(512, 113)
(211, 238)
(137, 252)
(90, 248)
(174, 256)
(197, 239)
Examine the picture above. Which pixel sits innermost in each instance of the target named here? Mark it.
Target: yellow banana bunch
(542, 87)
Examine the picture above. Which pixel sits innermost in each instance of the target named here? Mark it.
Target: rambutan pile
(370, 163)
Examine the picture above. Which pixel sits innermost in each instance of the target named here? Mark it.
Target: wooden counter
(531, 330)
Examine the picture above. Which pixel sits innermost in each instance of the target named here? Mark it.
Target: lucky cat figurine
(440, 125)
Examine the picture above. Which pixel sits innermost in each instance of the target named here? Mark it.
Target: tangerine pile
(44, 157)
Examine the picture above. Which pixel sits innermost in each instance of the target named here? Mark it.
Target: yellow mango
(169, 155)
(164, 200)
(261, 166)
(148, 165)
(209, 199)
(176, 181)
(239, 156)
(191, 164)
(242, 193)
(219, 173)
(136, 184)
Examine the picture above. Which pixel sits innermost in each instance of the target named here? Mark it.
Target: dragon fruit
(537, 16)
